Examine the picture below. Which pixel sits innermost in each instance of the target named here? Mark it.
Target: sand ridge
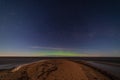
(58, 69)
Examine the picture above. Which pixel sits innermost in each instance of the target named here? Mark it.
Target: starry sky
(60, 28)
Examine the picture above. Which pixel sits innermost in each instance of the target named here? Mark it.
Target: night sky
(59, 28)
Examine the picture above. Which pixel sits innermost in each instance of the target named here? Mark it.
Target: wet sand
(57, 69)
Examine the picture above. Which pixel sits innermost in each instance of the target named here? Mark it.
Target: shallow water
(114, 70)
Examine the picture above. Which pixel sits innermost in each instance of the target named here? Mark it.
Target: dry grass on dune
(54, 70)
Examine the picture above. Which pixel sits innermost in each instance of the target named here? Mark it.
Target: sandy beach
(56, 69)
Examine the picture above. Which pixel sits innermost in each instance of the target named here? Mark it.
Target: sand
(52, 70)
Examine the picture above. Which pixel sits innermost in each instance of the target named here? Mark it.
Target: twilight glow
(59, 28)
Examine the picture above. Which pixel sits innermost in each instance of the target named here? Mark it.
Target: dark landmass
(7, 60)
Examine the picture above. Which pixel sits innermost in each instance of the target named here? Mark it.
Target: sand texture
(53, 70)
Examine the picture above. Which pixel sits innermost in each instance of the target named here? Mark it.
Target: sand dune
(53, 70)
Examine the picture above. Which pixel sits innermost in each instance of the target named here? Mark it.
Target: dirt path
(53, 70)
